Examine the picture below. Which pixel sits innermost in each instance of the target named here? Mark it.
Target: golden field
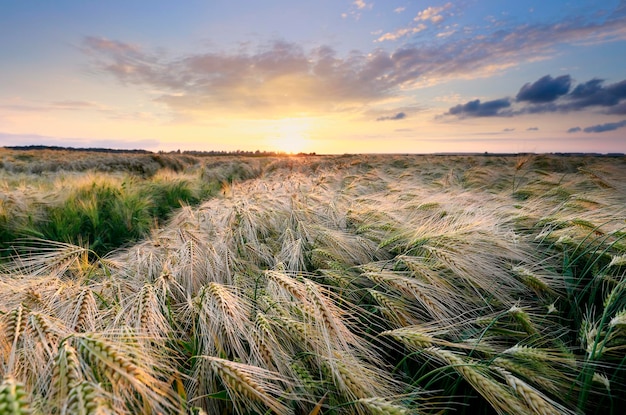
(355, 284)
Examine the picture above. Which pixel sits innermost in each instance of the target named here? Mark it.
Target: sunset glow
(326, 77)
(291, 136)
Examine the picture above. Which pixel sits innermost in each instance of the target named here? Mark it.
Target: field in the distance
(365, 284)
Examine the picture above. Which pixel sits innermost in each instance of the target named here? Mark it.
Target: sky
(324, 76)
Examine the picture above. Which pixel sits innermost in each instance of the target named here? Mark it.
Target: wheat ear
(380, 406)
(123, 363)
(500, 398)
(250, 385)
(13, 398)
(65, 374)
(539, 403)
(86, 399)
(13, 329)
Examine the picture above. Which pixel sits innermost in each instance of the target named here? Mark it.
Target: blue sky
(325, 76)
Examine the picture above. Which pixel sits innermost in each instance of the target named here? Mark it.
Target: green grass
(105, 211)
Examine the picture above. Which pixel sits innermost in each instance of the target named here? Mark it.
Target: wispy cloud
(476, 108)
(429, 15)
(398, 116)
(432, 14)
(360, 4)
(446, 33)
(66, 105)
(79, 106)
(601, 128)
(400, 33)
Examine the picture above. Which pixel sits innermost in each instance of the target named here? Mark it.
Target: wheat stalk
(501, 399)
(224, 321)
(251, 386)
(427, 296)
(540, 354)
(537, 374)
(128, 368)
(535, 400)
(393, 309)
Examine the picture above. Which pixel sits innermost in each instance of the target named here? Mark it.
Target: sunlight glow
(291, 136)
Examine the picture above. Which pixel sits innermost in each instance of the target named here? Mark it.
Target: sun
(291, 144)
(291, 135)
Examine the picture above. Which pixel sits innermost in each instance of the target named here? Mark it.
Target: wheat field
(355, 284)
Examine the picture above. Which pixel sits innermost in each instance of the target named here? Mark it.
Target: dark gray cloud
(546, 89)
(594, 94)
(548, 95)
(532, 129)
(591, 94)
(398, 116)
(574, 130)
(476, 108)
(619, 109)
(601, 128)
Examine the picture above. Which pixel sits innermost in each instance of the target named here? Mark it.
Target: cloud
(432, 14)
(79, 106)
(532, 129)
(360, 4)
(280, 78)
(601, 128)
(619, 109)
(546, 89)
(586, 95)
(446, 34)
(480, 109)
(399, 9)
(508, 130)
(549, 95)
(398, 116)
(594, 93)
(401, 33)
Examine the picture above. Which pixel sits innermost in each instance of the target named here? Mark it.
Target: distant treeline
(91, 149)
(256, 153)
